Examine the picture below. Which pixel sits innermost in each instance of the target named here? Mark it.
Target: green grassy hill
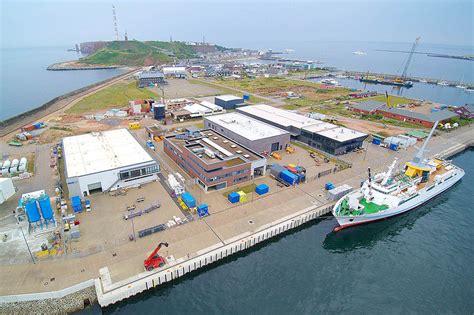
(136, 53)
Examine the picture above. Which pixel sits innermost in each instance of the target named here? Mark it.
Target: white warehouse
(104, 161)
(249, 132)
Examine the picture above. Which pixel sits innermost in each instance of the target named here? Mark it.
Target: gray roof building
(368, 106)
(431, 117)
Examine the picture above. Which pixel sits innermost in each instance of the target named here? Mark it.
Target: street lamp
(28, 246)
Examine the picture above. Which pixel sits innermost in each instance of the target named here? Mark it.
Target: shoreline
(74, 65)
(102, 291)
(11, 124)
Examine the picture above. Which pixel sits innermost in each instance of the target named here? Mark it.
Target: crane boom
(410, 56)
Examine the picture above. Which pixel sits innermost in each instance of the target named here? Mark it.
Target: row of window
(130, 174)
(186, 165)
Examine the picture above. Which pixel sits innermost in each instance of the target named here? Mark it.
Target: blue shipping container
(76, 204)
(301, 177)
(233, 197)
(262, 189)
(393, 146)
(376, 141)
(203, 210)
(288, 177)
(189, 200)
(329, 186)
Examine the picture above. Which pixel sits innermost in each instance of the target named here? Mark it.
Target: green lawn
(394, 100)
(116, 95)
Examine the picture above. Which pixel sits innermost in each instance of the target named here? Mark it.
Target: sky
(236, 23)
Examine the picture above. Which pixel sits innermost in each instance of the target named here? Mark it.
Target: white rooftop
(197, 109)
(246, 126)
(101, 151)
(168, 70)
(279, 116)
(320, 126)
(212, 106)
(341, 134)
(229, 97)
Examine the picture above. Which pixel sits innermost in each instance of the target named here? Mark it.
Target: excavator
(154, 260)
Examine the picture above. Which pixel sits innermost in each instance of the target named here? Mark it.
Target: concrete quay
(116, 272)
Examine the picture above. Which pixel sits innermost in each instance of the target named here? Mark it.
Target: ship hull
(424, 196)
(374, 81)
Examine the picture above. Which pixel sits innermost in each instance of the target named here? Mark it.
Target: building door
(275, 146)
(94, 188)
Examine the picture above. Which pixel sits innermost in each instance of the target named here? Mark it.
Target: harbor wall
(108, 293)
(460, 147)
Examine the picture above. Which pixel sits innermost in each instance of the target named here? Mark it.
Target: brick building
(214, 160)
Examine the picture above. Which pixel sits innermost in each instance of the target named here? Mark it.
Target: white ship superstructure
(394, 192)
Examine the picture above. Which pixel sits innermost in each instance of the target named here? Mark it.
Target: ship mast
(369, 193)
(418, 158)
(389, 172)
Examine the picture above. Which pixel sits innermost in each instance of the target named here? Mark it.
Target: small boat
(392, 192)
(443, 83)
(423, 81)
(329, 82)
(469, 89)
(461, 86)
(358, 52)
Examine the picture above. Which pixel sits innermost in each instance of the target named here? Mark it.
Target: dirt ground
(178, 88)
(371, 126)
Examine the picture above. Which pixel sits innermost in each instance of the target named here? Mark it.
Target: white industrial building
(316, 133)
(178, 72)
(251, 133)
(215, 108)
(6, 189)
(104, 161)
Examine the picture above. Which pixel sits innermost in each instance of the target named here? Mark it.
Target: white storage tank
(14, 166)
(6, 167)
(23, 165)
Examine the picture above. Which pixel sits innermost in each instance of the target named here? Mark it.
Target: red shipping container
(28, 128)
(291, 169)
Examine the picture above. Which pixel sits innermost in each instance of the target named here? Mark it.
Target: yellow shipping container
(134, 125)
(243, 196)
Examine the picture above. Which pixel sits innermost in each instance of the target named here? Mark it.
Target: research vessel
(392, 192)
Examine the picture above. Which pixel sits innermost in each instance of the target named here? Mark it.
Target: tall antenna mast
(115, 23)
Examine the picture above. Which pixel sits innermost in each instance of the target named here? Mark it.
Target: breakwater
(71, 66)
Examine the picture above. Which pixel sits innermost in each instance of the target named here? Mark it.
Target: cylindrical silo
(32, 211)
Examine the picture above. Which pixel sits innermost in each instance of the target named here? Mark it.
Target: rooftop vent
(215, 138)
(246, 156)
(239, 151)
(225, 141)
(209, 134)
(233, 146)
